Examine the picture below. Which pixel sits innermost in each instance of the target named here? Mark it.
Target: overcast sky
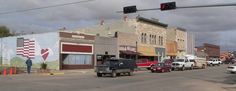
(212, 25)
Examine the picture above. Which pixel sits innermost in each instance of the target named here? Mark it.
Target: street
(210, 79)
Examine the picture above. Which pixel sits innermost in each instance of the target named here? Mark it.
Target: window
(161, 40)
(78, 60)
(145, 38)
(150, 39)
(142, 38)
(155, 40)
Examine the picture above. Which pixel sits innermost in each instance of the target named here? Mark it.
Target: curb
(52, 73)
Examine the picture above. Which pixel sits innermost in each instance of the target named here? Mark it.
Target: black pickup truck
(116, 67)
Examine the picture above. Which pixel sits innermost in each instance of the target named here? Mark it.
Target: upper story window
(150, 39)
(160, 40)
(155, 39)
(142, 38)
(145, 38)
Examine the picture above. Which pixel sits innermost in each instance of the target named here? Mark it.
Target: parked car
(182, 64)
(232, 69)
(199, 62)
(168, 61)
(161, 67)
(145, 63)
(116, 67)
(229, 61)
(213, 62)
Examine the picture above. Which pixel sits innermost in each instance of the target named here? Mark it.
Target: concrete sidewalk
(64, 72)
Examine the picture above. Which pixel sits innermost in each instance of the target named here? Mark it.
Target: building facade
(179, 35)
(105, 47)
(151, 38)
(127, 43)
(76, 50)
(147, 37)
(190, 43)
(211, 50)
(59, 50)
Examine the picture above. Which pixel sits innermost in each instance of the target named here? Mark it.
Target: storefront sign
(78, 36)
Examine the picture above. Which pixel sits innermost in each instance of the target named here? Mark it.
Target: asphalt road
(210, 79)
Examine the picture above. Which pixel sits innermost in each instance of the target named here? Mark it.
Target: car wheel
(203, 66)
(211, 64)
(131, 73)
(113, 74)
(191, 67)
(162, 71)
(149, 68)
(118, 74)
(170, 70)
(152, 71)
(183, 68)
(99, 74)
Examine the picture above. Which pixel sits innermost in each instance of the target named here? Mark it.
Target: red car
(161, 67)
(145, 63)
(168, 61)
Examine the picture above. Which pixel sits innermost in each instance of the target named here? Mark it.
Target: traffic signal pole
(185, 7)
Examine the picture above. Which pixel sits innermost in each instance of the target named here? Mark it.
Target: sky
(212, 25)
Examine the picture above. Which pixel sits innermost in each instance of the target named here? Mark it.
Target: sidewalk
(65, 72)
(74, 72)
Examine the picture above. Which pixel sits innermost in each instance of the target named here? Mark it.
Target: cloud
(204, 21)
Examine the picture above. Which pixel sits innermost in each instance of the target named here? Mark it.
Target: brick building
(212, 51)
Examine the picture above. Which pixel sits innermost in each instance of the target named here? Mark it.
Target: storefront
(161, 53)
(171, 49)
(147, 52)
(105, 47)
(76, 51)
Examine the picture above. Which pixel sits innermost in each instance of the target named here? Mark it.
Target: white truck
(182, 64)
(199, 62)
(213, 62)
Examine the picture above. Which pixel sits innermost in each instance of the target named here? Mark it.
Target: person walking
(29, 64)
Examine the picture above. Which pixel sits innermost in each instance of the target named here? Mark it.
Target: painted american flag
(26, 47)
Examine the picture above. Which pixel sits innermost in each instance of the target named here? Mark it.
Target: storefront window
(78, 59)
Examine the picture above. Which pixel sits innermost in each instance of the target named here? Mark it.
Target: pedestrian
(29, 64)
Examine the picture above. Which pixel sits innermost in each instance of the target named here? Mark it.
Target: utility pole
(136, 56)
(1, 50)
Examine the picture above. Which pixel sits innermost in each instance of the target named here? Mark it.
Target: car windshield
(160, 64)
(179, 60)
(141, 61)
(106, 63)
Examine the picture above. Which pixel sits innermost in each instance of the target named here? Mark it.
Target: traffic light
(129, 9)
(168, 6)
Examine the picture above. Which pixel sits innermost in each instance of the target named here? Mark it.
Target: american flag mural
(26, 47)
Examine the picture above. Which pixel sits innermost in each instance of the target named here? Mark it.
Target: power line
(45, 7)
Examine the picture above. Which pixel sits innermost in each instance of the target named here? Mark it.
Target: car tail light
(158, 68)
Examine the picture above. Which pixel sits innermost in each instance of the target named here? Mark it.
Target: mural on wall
(44, 53)
(39, 47)
(25, 47)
